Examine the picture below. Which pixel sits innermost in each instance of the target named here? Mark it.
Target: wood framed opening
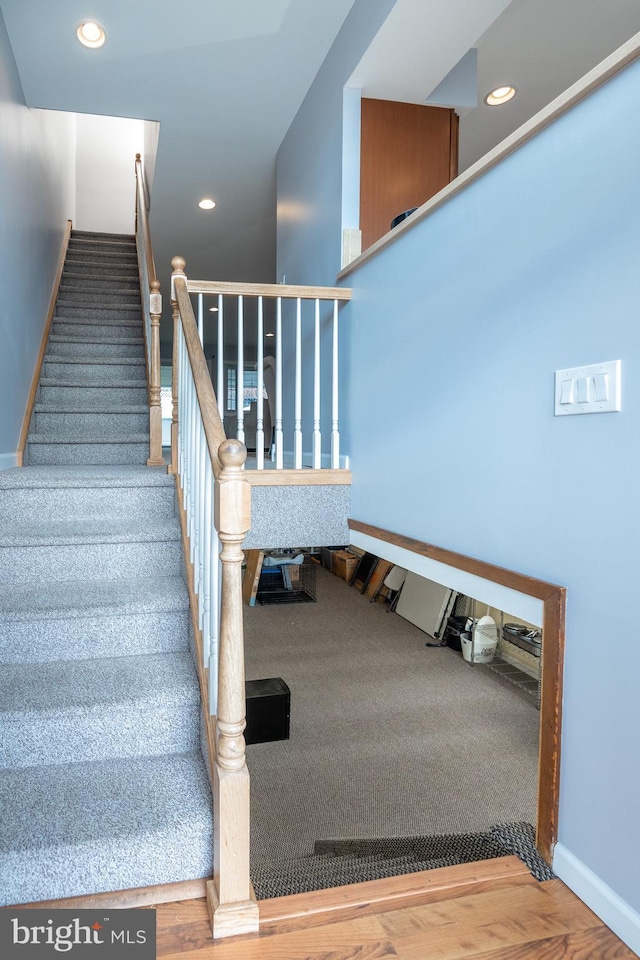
(553, 598)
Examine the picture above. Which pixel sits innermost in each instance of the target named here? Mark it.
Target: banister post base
(231, 919)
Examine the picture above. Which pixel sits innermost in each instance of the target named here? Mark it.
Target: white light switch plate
(592, 389)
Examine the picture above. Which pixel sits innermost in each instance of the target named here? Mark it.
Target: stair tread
(75, 408)
(95, 438)
(81, 598)
(164, 679)
(97, 359)
(75, 338)
(67, 382)
(132, 475)
(63, 805)
(88, 530)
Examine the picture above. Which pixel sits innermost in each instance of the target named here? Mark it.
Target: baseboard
(8, 460)
(307, 460)
(612, 909)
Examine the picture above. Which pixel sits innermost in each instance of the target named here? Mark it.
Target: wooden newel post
(177, 265)
(232, 904)
(155, 410)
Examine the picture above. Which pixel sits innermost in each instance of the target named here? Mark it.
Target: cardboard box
(344, 564)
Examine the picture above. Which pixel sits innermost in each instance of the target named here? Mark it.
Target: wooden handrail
(152, 296)
(213, 426)
(141, 211)
(269, 290)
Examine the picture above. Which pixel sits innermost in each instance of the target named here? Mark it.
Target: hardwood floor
(507, 915)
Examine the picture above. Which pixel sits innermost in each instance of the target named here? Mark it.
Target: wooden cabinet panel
(408, 153)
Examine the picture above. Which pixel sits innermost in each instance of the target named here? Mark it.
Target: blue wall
(309, 184)
(37, 184)
(454, 334)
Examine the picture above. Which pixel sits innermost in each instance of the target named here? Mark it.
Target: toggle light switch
(592, 389)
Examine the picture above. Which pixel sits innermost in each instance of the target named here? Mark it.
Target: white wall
(37, 197)
(105, 170)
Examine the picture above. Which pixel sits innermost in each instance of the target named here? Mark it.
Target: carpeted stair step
(40, 622)
(40, 493)
(95, 314)
(59, 421)
(82, 710)
(96, 284)
(79, 449)
(81, 253)
(75, 829)
(94, 369)
(91, 548)
(73, 391)
(96, 344)
(80, 296)
(101, 245)
(103, 236)
(102, 267)
(88, 329)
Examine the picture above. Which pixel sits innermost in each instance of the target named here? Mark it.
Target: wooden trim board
(31, 399)
(269, 290)
(405, 888)
(554, 600)
(297, 478)
(251, 578)
(127, 899)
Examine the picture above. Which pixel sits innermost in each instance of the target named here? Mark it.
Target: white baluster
(200, 318)
(214, 648)
(204, 460)
(335, 432)
(206, 573)
(317, 437)
(260, 400)
(278, 437)
(192, 464)
(240, 373)
(297, 429)
(221, 389)
(181, 402)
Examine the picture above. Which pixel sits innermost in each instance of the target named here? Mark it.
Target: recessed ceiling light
(213, 309)
(207, 204)
(269, 334)
(91, 34)
(500, 95)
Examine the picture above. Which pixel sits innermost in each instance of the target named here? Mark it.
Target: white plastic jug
(480, 646)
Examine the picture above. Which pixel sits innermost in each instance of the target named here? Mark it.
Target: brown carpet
(389, 738)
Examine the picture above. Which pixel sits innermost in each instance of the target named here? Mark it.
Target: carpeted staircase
(102, 781)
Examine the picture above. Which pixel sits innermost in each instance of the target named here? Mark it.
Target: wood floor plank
(594, 944)
(359, 939)
(481, 909)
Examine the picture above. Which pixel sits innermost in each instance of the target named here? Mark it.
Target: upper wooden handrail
(141, 211)
(211, 422)
(269, 290)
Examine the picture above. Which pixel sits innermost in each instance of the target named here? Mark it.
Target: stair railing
(152, 310)
(215, 499)
(299, 313)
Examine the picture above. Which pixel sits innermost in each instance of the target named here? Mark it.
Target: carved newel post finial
(178, 265)
(233, 454)
(138, 158)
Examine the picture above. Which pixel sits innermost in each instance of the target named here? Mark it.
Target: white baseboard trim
(612, 909)
(8, 460)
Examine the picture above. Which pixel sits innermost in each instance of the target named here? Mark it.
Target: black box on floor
(268, 708)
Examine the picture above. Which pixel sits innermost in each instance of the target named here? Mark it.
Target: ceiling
(225, 80)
